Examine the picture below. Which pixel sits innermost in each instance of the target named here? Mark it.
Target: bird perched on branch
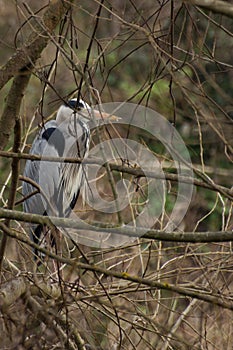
(58, 183)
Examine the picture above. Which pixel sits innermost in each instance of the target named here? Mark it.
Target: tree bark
(21, 64)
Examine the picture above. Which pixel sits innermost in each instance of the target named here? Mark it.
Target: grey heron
(59, 182)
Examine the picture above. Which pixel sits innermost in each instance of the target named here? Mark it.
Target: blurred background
(172, 57)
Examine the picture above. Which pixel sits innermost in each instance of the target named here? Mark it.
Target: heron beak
(95, 114)
(106, 116)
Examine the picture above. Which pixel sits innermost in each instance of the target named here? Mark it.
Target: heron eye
(74, 105)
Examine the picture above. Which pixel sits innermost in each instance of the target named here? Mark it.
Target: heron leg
(36, 239)
(42, 236)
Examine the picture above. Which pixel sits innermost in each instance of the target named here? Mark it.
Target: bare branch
(191, 292)
(28, 54)
(12, 106)
(21, 64)
(194, 237)
(217, 6)
(228, 192)
(188, 291)
(15, 168)
(51, 319)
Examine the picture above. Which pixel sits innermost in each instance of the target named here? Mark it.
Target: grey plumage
(60, 183)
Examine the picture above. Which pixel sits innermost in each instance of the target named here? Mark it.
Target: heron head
(81, 110)
(72, 108)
